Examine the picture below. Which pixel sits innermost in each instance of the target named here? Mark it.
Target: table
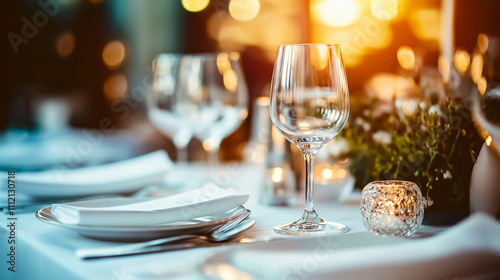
(48, 252)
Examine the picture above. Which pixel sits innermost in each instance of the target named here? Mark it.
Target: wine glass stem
(309, 182)
(213, 157)
(182, 154)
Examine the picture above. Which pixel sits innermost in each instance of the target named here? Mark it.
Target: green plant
(430, 143)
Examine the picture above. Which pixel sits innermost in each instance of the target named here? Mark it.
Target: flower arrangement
(430, 140)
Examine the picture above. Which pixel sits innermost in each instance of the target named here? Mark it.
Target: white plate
(139, 233)
(44, 150)
(118, 177)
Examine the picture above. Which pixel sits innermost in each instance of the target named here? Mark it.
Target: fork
(215, 235)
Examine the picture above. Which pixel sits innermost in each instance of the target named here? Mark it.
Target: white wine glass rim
(213, 54)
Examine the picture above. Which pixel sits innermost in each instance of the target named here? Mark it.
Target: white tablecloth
(47, 252)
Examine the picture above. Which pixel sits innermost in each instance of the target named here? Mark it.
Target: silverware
(223, 233)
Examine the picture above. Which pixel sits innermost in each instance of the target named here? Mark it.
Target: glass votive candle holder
(392, 207)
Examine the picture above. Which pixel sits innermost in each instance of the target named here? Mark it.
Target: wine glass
(218, 94)
(167, 103)
(484, 189)
(309, 106)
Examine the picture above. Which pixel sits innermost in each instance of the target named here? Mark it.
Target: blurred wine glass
(485, 72)
(167, 103)
(309, 106)
(217, 95)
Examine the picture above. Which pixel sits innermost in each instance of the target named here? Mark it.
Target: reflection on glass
(216, 96)
(168, 108)
(309, 106)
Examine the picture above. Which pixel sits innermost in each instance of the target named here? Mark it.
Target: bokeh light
(195, 5)
(230, 80)
(476, 67)
(320, 57)
(65, 44)
(244, 10)
(113, 54)
(482, 85)
(482, 42)
(115, 87)
(223, 63)
(444, 67)
(406, 57)
(462, 61)
(425, 23)
(488, 140)
(335, 12)
(384, 9)
(277, 175)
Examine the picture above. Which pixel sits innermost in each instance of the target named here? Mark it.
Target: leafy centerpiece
(428, 138)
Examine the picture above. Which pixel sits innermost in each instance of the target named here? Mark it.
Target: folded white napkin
(469, 249)
(118, 177)
(204, 201)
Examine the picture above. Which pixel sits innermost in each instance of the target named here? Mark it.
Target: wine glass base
(310, 229)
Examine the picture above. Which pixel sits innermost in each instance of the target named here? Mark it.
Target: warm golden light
(223, 63)
(425, 23)
(115, 87)
(243, 114)
(387, 86)
(320, 57)
(482, 85)
(209, 144)
(303, 124)
(488, 140)
(95, 2)
(277, 175)
(113, 54)
(476, 67)
(65, 44)
(406, 57)
(482, 42)
(228, 272)
(410, 107)
(230, 80)
(444, 67)
(273, 26)
(195, 5)
(326, 173)
(335, 12)
(384, 9)
(234, 56)
(244, 10)
(357, 40)
(462, 61)
(262, 101)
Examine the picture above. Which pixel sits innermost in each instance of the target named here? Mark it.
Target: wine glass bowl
(309, 106)
(166, 102)
(217, 89)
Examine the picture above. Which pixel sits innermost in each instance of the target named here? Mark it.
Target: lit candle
(392, 208)
(278, 187)
(332, 182)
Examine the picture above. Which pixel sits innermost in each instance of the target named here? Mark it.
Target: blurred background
(76, 62)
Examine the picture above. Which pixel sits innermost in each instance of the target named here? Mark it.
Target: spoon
(219, 235)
